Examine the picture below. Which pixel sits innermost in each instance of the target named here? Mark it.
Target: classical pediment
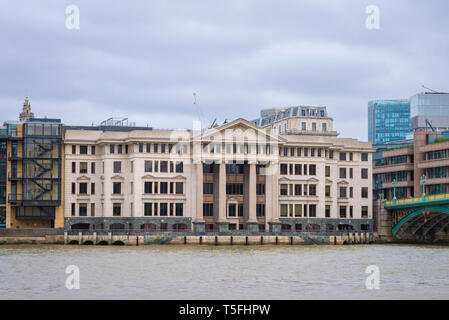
(344, 182)
(117, 177)
(240, 129)
(86, 178)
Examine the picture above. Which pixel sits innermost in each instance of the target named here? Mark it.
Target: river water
(231, 272)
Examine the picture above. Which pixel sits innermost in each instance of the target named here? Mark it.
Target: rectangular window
(298, 210)
(208, 209)
(327, 211)
(298, 190)
(342, 173)
(284, 210)
(148, 209)
(111, 148)
(164, 166)
(73, 167)
(164, 187)
(179, 166)
(179, 187)
(305, 169)
(73, 149)
(83, 149)
(328, 191)
(73, 209)
(73, 187)
(117, 166)
(163, 209)
(343, 192)
(179, 209)
(343, 212)
(92, 167)
(163, 148)
(260, 210)
(351, 192)
(148, 187)
(260, 188)
(119, 149)
(83, 188)
(364, 211)
(82, 209)
(298, 169)
(284, 168)
(342, 156)
(327, 171)
(92, 188)
(312, 189)
(364, 192)
(148, 147)
(284, 189)
(364, 156)
(208, 188)
(306, 152)
(312, 210)
(140, 147)
(312, 169)
(351, 173)
(232, 210)
(155, 147)
(92, 209)
(92, 150)
(117, 187)
(364, 173)
(116, 209)
(148, 166)
(83, 167)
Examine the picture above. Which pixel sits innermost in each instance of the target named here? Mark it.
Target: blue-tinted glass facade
(388, 120)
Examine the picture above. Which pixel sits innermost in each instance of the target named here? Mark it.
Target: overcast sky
(145, 59)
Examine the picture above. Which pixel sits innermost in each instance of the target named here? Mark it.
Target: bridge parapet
(436, 199)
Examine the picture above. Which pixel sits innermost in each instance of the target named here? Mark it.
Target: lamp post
(423, 180)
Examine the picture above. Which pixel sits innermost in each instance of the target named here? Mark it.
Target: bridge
(424, 218)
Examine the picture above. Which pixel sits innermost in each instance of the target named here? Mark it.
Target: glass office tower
(388, 120)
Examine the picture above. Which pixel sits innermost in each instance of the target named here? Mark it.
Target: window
(364, 211)
(312, 169)
(312, 189)
(163, 209)
(73, 149)
(343, 192)
(351, 193)
(342, 156)
(351, 156)
(303, 126)
(155, 148)
(73, 210)
(327, 211)
(234, 188)
(313, 126)
(260, 188)
(140, 147)
(163, 148)
(298, 152)
(327, 171)
(306, 152)
(117, 187)
(342, 173)
(148, 187)
(83, 188)
(117, 166)
(232, 210)
(82, 209)
(305, 169)
(92, 150)
(92, 188)
(73, 187)
(364, 156)
(179, 187)
(284, 189)
(116, 209)
(351, 173)
(83, 150)
(312, 152)
(298, 190)
(73, 167)
(119, 149)
(331, 154)
(298, 169)
(284, 168)
(324, 127)
(327, 191)
(164, 166)
(179, 210)
(343, 212)
(364, 173)
(312, 210)
(179, 167)
(284, 210)
(92, 167)
(148, 166)
(111, 148)
(298, 210)
(351, 211)
(364, 192)
(208, 209)
(208, 188)
(148, 209)
(148, 147)
(83, 167)
(92, 209)
(163, 187)
(260, 210)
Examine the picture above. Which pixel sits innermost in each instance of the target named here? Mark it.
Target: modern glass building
(388, 120)
(429, 109)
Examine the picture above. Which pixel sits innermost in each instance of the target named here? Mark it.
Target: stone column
(222, 223)
(198, 220)
(253, 225)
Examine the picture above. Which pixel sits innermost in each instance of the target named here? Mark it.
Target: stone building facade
(237, 176)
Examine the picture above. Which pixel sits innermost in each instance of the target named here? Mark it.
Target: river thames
(228, 272)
